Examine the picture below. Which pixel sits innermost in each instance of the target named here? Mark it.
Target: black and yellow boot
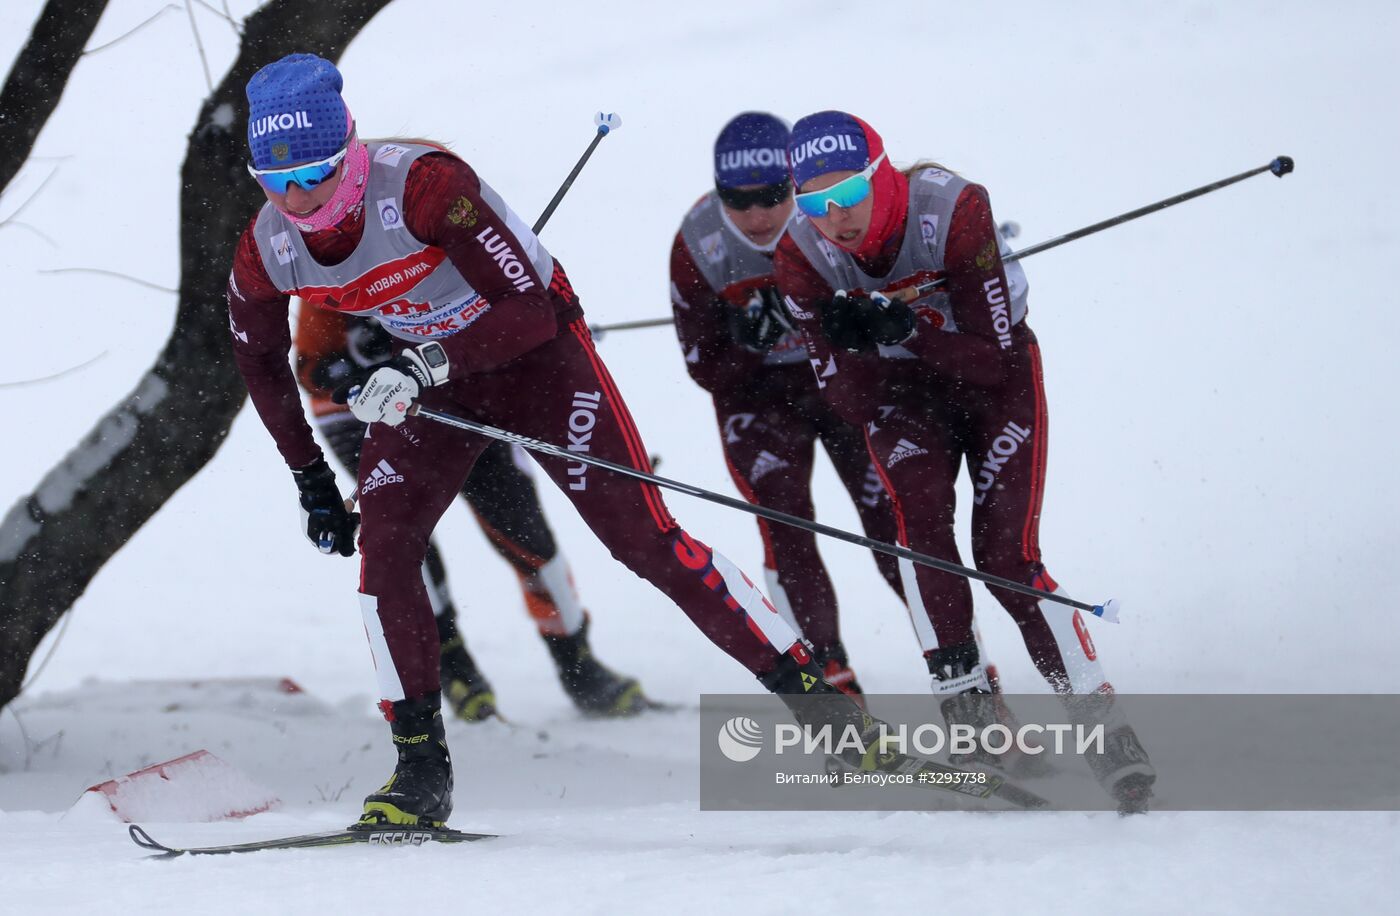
(420, 791)
(595, 689)
(816, 704)
(465, 689)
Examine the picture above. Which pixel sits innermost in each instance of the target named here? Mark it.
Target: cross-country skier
(331, 348)
(487, 326)
(938, 378)
(740, 347)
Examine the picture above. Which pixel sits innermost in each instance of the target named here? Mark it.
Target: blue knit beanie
(295, 112)
(751, 149)
(828, 141)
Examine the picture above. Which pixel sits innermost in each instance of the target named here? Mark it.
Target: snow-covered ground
(1223, 450)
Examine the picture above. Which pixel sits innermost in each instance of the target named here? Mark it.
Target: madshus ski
(345, 836)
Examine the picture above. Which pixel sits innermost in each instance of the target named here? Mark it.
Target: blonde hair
(416, 141)
(926, 164)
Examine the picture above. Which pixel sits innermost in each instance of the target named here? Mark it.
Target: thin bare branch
(49, 378)
(199, 44)
(24, 739)
(41, 234)
(12, 221)
(53, 647)
(222, 14)
(30, 199)
(237, 26)
(152, 18)
(109, 273)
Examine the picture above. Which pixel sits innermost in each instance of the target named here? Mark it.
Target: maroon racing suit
(330, 347)
(521, 358)
(770, 417)
(966, 386)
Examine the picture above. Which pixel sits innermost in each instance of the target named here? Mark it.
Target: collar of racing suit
(335, 244)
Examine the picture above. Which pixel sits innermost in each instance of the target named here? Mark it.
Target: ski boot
(967, 698)
(794, 678)
(1123, 768)
(464, 687)
(595, 689)
(1027, 764)
(419, 793)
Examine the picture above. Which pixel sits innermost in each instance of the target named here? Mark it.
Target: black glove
(332, 372)
(328, 525)
(890, 321)
(842, 323)
(861, 323)
(761, 323)
(367, 343)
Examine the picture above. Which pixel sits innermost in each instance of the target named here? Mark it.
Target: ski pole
(1108, 610)
(1008, 230)
(598, 330)
(1280, 166)
(606, 124)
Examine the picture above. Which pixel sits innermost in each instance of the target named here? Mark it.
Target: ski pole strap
(1108, 610)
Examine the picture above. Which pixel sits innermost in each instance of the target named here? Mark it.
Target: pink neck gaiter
(349, 194)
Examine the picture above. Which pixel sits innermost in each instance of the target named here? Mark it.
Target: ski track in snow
(1220, 455)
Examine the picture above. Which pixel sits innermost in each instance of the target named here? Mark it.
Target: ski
(1018, 796)
(940, 777)
(345, 836)
(975, 783)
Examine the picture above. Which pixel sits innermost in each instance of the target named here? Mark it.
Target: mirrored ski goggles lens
(305, 177)
(845, 193)
(770, 195)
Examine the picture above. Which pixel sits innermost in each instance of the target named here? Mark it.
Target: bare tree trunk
(36, 81)
(55, 540)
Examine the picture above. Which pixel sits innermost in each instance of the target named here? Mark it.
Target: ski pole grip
(1281, 166)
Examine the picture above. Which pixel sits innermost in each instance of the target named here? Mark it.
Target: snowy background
(1222, 450)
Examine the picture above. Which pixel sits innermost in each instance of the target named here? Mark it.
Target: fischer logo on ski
(399, 838)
